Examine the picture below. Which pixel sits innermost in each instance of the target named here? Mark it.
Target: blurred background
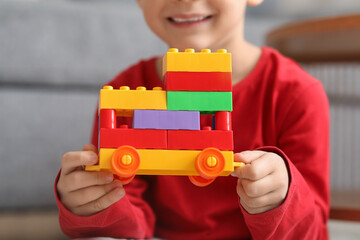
(56, 54)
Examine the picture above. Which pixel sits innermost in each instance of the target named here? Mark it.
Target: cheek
(152, 15)
(228, 5)
(227, 25)
(230, 14)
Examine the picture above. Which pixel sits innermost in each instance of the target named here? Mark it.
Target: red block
(223, 121)
(201, 139)
(137, 138)
(198, 81)
(107, 118)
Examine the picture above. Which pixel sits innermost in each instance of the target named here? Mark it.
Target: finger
(248, 156)
(256, 210)
(270, 199)
(260, 187)
(257, 168)
(74, 160)
(90, 147)
(100, 203)
(82, 179)
(86, 195)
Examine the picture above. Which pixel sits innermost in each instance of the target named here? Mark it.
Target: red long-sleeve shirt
(277, 106)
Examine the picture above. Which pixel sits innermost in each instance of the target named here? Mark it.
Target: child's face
(196, 23)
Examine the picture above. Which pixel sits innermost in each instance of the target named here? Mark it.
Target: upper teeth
(194, 19)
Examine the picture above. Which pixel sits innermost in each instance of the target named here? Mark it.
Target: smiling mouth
(188, 20)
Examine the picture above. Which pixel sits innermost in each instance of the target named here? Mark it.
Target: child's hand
(86, 193)
(263, 182)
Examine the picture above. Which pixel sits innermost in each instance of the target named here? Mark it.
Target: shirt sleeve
(304, 143)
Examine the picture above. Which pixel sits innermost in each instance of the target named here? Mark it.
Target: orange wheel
(125, 161)
(200, 181)
(125, 180)
(210, 163)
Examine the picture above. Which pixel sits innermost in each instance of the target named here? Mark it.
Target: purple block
(161, 119)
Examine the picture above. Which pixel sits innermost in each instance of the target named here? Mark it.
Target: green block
(199, 101)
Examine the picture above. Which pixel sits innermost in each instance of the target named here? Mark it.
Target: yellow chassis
(164, 162)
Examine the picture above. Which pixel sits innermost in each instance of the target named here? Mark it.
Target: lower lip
(188, 24)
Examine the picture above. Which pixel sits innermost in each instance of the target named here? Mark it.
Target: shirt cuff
(272, 216)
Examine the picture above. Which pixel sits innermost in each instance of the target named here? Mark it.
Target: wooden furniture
(329, 49)
(319, 40)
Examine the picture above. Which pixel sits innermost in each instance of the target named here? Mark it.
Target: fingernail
(233, 174)
(242, 153)
(117, 183)
(120, 192)
(92, 157)
(109, 178)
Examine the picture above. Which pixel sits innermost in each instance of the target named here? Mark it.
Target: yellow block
(191, 61)
(125, 99)
(163, 162)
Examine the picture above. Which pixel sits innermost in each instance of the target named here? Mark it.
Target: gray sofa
(54, 56)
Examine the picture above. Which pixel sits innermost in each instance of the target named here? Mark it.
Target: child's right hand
(86, 193)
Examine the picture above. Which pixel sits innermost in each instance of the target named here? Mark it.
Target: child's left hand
(263, 182)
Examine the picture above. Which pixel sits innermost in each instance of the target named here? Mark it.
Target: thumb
(248, 156)
(90, 147)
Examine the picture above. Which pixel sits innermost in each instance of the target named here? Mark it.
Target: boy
(280, 124)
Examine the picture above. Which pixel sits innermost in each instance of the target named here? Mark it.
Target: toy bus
(166, 137)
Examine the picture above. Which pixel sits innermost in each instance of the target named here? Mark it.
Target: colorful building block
(198, 140)
(138, 138)
(199, 101)
(198, 81)
(159, 119)
(159, 145)
(190, 61)
(124, 98)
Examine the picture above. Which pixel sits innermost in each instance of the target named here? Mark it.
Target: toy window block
(165, 138)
